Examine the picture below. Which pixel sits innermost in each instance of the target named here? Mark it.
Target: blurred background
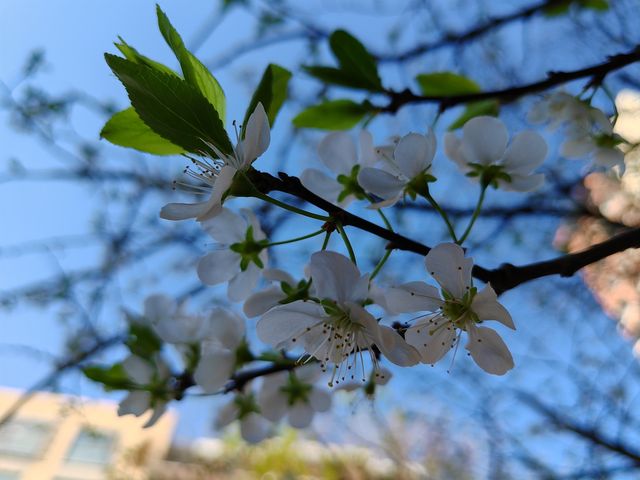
(81, 241)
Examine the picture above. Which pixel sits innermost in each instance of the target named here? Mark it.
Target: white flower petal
(447, 264)
(183, 211)
(181, 328)
(272, 403)
(489, 351)
(432, 347)
(413, 297)
(261, 302)
(243, 283)
(321, 184)
(608, 157)
(334, 276)
(227, 227)
(300, 415)
(453, 150)
(257, 135)
(135, 403)
(526, 152)
(254, 428)
(414, 154)
(158, 411)
(320, 400)
(214, 370)
(485, 304)
(380, 183)
(226, 328)
(484, 139)
(277, 275)
(338, 152)
(220, 187)
(226, 415)
(218, 266)
(158, 307)
(280, 324)
(368, 155)
(577, 148)
(396, 349)
(138, 369)
(524, 183)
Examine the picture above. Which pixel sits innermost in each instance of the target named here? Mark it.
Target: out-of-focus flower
(243, 407)
(483, 154)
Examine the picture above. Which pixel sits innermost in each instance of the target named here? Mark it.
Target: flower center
(249, 250)
(350, 185)
(296, 390)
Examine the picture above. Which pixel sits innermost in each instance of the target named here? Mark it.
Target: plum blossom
(223, 349)
(457, 308)
(483, 154)
(339, 154)
(588, 130)
(406, 173)
(287, 290)
(335, 328)
(294, 395)
(240, 254)
(243, 407)
(171, 323)
(218, 173)
(147, 375)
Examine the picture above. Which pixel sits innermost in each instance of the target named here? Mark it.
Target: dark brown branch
(595, 74)
(451, 38)
(503, 278)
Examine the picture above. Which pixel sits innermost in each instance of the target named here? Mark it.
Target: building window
(92, 446)
(24, 438)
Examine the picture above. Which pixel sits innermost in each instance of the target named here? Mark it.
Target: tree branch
(503, 278)
(595, 73)
(453, 38)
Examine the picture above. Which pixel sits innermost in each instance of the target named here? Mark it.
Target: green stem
(291, 208)
(380, 264)
(347, 243)
(326, 240)
(297, 239)
(386, 221)
(442, 213)
(474, 217)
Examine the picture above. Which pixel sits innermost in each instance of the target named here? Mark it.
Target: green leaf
(475, 109)
(271, 92)
(335, 76)
(599, 5)
(171, 107)
(194, 71)
(355, 60)
(113, 377)
(126, 129)
(444, 84)
(333, 115)
(132, 54)
(142, 340)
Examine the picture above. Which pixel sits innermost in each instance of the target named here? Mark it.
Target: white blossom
(283, 288)
(339, 154)
(405, 173)
(483, 154)
(589, 132)
(240, 253)
(458, 308)
(222, 350)
(218, 173)
(294, 395)
(243, 407)
(171, 323)
(335, 329)
(147, 375)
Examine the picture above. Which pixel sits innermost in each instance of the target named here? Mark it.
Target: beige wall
(135, 448)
